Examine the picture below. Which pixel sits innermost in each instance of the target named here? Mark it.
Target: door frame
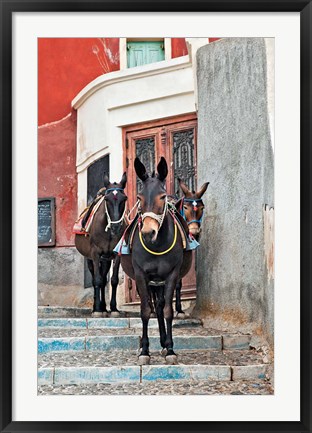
(155, 124)
(163, 145)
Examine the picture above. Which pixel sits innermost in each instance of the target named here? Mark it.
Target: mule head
(192, 207)
(115, 200)
(152, 199)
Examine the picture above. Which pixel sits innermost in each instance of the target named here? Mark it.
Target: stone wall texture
(60, 278)
(235, 269)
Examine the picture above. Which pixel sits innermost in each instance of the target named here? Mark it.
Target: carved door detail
(175, 139)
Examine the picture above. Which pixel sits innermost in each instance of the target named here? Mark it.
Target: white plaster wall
(121, 98)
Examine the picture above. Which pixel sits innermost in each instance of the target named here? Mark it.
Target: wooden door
(175, 139)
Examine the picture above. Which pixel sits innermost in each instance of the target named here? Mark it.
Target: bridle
(194, 202)
(160, 220)
(109, 220)
(156, 217)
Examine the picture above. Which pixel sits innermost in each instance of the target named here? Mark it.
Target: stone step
(46, 311)
(96, 368)
(126, 341)
(109, 322)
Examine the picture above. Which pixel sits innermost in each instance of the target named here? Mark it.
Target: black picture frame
(7, 9)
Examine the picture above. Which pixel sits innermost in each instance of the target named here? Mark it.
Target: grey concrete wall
(61, 278)
(235, 261)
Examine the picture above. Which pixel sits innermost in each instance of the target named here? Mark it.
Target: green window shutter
(143, 53)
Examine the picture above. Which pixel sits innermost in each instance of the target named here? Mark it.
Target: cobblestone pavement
(111, 358)
(161, 388)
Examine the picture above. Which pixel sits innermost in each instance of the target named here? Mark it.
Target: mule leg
(114, 283)
(171, 357)
(159, 305)
(180, 312)
(91, 269)
(97, 284)
(105, 267)
(146, 309)
(153, 314)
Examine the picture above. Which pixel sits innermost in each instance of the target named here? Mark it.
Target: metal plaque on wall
(46, 222)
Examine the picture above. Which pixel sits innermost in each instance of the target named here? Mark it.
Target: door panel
(183, 150)
(175, 139)
(145, 150)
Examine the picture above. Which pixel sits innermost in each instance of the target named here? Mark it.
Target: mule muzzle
(195, 230)
(150, 229)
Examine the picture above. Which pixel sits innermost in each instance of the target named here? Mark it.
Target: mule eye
(163, 197)
(185, 207)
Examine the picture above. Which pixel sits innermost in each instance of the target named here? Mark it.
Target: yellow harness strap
(163, 252)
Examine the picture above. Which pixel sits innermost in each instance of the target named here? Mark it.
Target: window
(137, 52)
(143, 52)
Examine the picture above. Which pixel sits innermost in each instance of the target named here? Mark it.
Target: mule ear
(123, 180)
(162, 169)
(184, 188)
(106, 180)
(140, 170)
(178, 203)
(202, 190)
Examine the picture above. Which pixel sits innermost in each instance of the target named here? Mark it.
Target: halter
(113, 189)
(155, 216)
(110, 222)
(160, 220)
(194, 202)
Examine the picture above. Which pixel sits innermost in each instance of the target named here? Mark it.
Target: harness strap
(183, 235)
(162, 252)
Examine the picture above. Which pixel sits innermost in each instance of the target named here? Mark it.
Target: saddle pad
(78, 229)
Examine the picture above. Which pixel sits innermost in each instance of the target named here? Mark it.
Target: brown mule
(106, 230)
(157, 260)
(191, 207)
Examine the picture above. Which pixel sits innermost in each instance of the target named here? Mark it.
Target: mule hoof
(153, 315)
(163, 352)
(97, 314)
(171, 359)
(181, 315)
(115, 314)
(105, 314)
(144, 360)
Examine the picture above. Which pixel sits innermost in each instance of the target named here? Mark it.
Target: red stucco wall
(178, 47)
(57, 174)
(66, 66)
